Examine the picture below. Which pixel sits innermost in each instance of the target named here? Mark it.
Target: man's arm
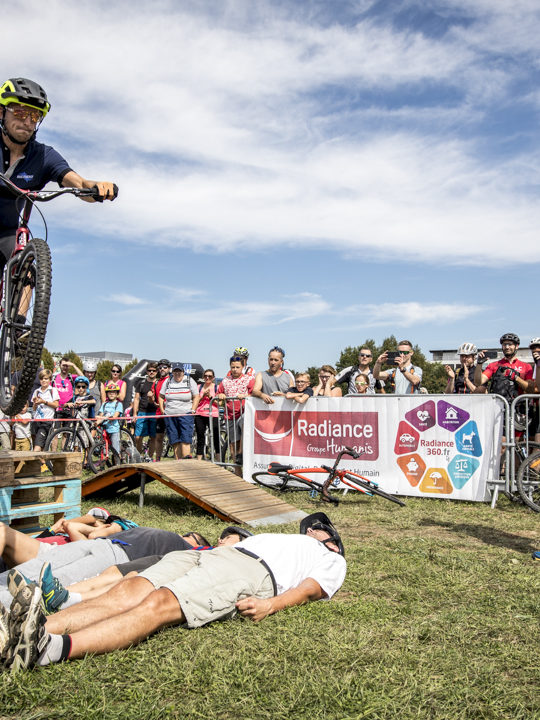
(73, 179)
(135, 406)
(379, 374)
(257, 390)
(259, 608)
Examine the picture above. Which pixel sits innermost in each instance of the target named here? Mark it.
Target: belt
(263, 563)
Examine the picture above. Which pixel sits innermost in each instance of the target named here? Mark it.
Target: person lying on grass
(83, 559)
(55, 597)
(255, 578)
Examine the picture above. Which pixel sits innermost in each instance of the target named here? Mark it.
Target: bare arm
(257, 390)
(258, 608)
(73, 179)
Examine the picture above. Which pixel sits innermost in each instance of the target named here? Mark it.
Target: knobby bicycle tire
(374, 490)
(528, 481)
(21, 343)
(99, 459)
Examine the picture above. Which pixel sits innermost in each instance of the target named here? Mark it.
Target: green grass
(438, 618)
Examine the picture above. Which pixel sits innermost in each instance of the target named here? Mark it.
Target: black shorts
(7, 243)
(160, 426)
(139, 565)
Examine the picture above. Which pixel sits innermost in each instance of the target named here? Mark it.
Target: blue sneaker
(536, 555)
(53, 593)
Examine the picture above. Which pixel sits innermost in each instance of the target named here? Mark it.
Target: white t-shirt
(22, 430)
(294, 558)
(49, 395)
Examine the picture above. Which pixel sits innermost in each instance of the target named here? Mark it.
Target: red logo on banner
(316, 434)
(273, 432)
(406, 439)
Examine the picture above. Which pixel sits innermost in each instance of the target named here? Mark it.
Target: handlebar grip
(352, 452)
(99, 198)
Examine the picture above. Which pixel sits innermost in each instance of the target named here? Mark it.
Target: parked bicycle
(25, 298)
(279, 477)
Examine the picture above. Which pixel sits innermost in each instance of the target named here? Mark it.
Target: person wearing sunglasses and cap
(28, 163)
(254, 578)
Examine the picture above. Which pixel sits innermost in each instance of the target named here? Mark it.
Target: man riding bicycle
(27, 163)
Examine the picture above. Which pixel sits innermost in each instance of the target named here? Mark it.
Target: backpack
(502, 385)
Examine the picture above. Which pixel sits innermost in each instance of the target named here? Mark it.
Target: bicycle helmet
(467, 349)
(81, 379)
(21, 91)
(534, 341)
(89, 366)
(164, 362)
(321, 521)
(235, 530)
(111, 386)
(241, 352)
(509, 337)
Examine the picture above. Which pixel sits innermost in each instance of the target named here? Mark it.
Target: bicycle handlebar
(46, 195)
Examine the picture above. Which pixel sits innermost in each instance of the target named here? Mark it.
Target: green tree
(313, 375)
(130, 365)
(349, 356)
(103, 372)
(47, 359)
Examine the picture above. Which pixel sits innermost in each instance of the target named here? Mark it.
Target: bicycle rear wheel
(271, 482)
(24, 325)
(528, 481)
(372, 488)
(65, 440)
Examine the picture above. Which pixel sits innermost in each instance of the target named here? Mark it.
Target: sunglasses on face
(23, 113)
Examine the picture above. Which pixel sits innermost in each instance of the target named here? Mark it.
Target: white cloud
(125, 299)
(229, 127)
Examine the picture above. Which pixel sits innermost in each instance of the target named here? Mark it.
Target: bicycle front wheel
(65, 440)
(372, 488)
(528, 481)
(22, 333)
(101, 457)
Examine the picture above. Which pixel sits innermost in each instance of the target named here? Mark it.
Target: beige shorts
(208, 583)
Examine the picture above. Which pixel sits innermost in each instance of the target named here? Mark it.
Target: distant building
(98, 356)
(450, 357)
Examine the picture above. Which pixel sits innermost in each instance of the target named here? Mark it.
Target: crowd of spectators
(167, 399)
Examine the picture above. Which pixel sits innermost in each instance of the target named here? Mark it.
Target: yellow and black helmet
(24, 92)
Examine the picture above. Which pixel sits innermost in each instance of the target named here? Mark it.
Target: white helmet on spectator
(467, 348)
(534, 341)
(90, 366)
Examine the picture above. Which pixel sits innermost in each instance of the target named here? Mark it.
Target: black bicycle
(25, 299)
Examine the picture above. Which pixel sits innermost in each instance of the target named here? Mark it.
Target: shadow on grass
(487, 535)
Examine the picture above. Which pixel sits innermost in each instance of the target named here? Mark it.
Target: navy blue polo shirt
(40, 164)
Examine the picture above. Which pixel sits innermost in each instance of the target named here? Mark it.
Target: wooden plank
(211, 487)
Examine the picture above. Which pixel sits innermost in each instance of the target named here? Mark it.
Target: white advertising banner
(445, 446)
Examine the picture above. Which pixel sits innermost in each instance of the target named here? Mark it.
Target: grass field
(438, 618)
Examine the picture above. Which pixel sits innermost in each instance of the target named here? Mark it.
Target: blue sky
(306, 174)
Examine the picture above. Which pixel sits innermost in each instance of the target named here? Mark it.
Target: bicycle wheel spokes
(25, 323)
(528, 481)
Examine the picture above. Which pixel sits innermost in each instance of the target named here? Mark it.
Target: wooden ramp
(213, 488)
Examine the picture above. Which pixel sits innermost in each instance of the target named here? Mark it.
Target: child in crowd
(82, 400)
(45, 401)
(362, 383)
(110, 410)
(301, 391)
(22, 430)
(5, 433)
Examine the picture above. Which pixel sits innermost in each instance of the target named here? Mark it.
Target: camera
(391, 357)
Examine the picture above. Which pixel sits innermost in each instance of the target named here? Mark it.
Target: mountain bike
(25, 293)
(75, 436)
(285, 474)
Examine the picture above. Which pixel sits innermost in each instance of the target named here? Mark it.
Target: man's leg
(121, 598)
(157, 610)
(92, 587)
(16, 547)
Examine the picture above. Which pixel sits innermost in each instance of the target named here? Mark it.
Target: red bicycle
(278, 477)
(25, 299)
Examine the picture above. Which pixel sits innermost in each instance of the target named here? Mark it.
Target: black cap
(235, 530)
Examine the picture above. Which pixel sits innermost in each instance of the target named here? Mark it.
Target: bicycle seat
(274, 468)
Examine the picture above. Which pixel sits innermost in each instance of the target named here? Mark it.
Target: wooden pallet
(209, 486)
(26, 493)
